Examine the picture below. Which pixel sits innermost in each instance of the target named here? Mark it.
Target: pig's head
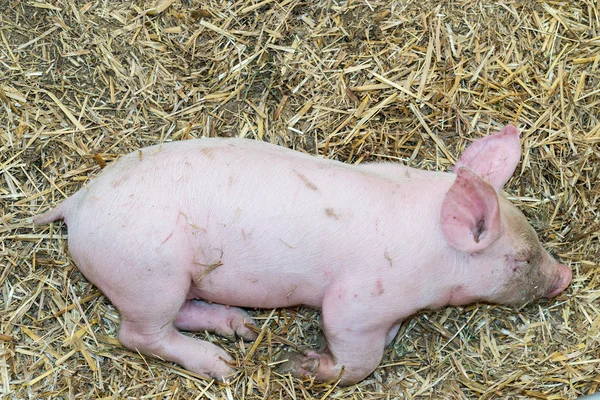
(507, 262)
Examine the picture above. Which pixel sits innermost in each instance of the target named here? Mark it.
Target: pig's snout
(562, 281)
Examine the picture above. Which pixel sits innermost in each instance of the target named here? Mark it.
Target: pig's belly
(236, 287)
(250, 257)
(264, 273)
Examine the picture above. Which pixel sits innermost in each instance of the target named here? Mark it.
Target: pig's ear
(495, 157)
(470, 213)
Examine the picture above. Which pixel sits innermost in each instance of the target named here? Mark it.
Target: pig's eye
(522, 261)
(521, 264)
(525, 262)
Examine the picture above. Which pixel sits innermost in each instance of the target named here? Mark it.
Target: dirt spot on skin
(378, 289)
(331, 213)
(288, 245)
(387, 257)
(118, 182)
(305, 180)
(406, 173)
(208, 152)
(238, 212)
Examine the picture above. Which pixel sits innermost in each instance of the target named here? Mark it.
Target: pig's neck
(432, 273)
(453, 285)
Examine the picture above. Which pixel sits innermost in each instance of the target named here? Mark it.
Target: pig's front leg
(355, 338)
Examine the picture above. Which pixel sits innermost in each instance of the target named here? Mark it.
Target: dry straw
(82, 83)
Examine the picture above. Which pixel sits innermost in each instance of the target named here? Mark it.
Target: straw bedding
(82, 83)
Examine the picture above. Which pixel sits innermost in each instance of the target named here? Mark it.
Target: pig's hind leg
(196, 315)
(148, 312)
(169, 344)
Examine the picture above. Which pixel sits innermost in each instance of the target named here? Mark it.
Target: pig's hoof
(197, 315)
(297, 364)
(238, 326)
(221, 369)
(222, 372)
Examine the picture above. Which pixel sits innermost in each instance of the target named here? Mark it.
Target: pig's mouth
(555, 289)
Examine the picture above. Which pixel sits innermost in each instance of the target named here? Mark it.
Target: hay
(82, 83)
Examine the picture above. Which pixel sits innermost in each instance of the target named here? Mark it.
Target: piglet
(180, 235)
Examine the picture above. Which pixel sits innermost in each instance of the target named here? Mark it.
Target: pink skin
(248, 224)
